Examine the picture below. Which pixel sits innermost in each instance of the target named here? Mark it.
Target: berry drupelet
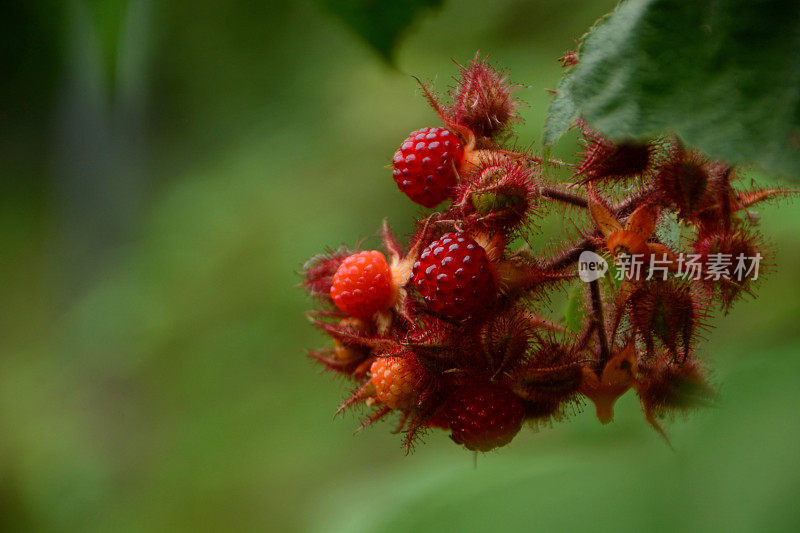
(454, 276)
(426, 163)
(483, 416)
(394, 379)
(362, 285)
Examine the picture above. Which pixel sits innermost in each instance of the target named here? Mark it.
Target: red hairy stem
(563, 196)
(543, 323)
(599, 322)
(584, 337)
(377, 415)
(629, 205)
(727, 209)
(357, 396)
(567, 257)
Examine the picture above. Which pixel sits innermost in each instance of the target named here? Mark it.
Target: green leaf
(722, 74)
(379, 22)
(561, 114)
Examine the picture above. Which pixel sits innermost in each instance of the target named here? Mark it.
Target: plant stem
(550, 161)
(599, 321)
(584, 337)
(626, 207)
(563, 196)
(569, 256)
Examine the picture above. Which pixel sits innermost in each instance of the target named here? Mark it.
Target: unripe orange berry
(395, 381)
(362, 285)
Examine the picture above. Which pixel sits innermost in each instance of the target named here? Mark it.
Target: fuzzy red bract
(319, 270)
(687, 182)
(667, 389)
(605, 160)
(502, 196)
(483, 99)
(449, 333)
(731, 262)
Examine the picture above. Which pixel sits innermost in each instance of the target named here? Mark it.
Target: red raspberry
(438, 420)
(395, 381)
(362, 285)
(484, 416)
(423, 166)
(454, 276)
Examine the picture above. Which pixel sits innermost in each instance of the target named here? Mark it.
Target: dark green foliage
(379, 22)
(722, 74)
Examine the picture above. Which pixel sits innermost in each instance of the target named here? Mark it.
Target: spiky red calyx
(454, 276)
(667, 387)
(483, 100)
(549, 375)
(501, 195)
(733, 243)
(607, 160)
(669, 311)
(318, 272)
(362, 285)
(483, 416)
(621, 162)
(425, 165)
(687, 182)
(731, 262)
(396, 381)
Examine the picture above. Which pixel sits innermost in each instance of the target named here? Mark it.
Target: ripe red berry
(484, 416)
(395, 381)
(438, 420)
(424, 165)
(454, 276)
(362, 285)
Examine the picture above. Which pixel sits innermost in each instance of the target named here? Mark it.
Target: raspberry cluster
(451, 331)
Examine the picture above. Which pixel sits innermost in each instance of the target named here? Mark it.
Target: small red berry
(424, 165)
(362, 285)
(484, 416)
(395, 381)
(454, 276)
(438, 420)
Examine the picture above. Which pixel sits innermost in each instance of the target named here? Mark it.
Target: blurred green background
(167, 167)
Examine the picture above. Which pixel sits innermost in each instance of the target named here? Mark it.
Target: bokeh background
(167, 167)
